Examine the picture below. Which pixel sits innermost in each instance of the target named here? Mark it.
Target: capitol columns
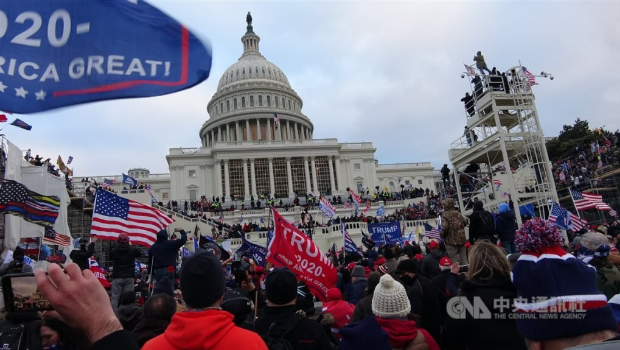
(272, 187)
(307, 172)
(314, 179)
(289, 178)
(227, 132)
(269, 136)
(296, 127)
(237, 133)
(258, 133)
(332, 184)
(339, 176)
(253, 177)
(226, 178)
(246, 185)
(247, 130)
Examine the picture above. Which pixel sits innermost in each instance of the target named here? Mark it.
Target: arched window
(289, 104)
(237, 73)
(243, 102)
(269, 101)
(217, 110)
(256, 70)
(243, 71)
(263, 68)
(283, 104)
(235, 103)
(260, 100)
(276, 99)
(227, 105)
(221, 107)
(269, 70)
(251, 101)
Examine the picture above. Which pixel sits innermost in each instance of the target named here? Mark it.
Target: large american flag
(580, 202)
(114, 215)
(54, 238)
(596, 200)
(575, 223)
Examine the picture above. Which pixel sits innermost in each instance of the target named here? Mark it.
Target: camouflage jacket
(453, 227)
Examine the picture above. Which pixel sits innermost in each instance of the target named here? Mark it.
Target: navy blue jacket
(359, 290)
(505, 226)
(164, 252)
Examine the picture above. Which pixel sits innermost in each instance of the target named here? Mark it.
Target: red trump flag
(293, 249)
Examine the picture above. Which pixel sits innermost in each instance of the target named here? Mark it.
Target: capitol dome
(254, 102)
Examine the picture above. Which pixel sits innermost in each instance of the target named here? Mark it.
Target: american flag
(613, 213)
(114, 215)
(497, 182)
(558, 216)
(470, 69)
(54, 238)
(531, 79)
(18, 200)
(431, 232)
(575, 223)
(276, 119)
(347, 205)
(596, 200)
(580, 202)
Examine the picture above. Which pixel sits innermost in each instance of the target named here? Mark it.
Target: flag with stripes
(431, 232)
(355, 197)
(114, 215)
(558, 216)
(54, 238)
(497, 182)
(349, 245)
(326, 207)
(470, 69)
(36, 208)
(613, 213)
(575, 223)
(346, 205)
(531, 79)
(580, 202)
(596, 200)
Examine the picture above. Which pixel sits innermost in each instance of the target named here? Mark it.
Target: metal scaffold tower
(502, 152)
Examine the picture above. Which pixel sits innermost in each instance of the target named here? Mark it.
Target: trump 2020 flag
(67, 52)
(254, 251)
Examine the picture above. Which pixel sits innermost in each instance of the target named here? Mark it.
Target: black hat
(281, 286)
(407, 265)
(202, 280)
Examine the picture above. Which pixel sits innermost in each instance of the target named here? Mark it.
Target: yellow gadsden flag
(63, 167)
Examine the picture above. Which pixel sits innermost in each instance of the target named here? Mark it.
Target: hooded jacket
(505, 225)
(341, 310)
(405, 334)
(308, 335)
(430, 264)
(149, 328)
(80, 257)
(201, 330)
(124, 260)
(129, 315)
(452, 224)
(163, 253)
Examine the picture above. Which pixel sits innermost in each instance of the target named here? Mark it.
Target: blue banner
(129, 180)
(253, 251)
(387, 230)
(67, 52)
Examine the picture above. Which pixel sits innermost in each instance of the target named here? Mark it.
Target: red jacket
(341, 311)
(202, 330)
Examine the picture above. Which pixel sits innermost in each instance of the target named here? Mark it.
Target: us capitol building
(258, 141)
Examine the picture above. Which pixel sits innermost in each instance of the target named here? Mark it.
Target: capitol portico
(257, 141)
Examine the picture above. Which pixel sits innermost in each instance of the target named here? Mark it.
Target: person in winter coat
(391, 308)
(506, 227)
(303, 333)
(363, 308)
(453, 232)
(390, 261)
(203, 285)
(488, 279)
(480, 63)
(366, 334)
(123, 258)
(163, 254)
(340, 310)
(358, 277)
(31, 321)
(481, 224)
(595, 248)
(17, 265)
(81, 256)
(425, 300)
(157, 313)
(129, 312)
(440, 281)
(430, 263)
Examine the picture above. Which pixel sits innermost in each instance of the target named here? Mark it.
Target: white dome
(252, 67)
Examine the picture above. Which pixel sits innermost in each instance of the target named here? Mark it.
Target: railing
(403, 165)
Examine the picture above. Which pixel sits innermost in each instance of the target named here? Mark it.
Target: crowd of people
(386, 297)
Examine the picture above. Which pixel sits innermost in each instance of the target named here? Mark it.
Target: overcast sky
(380, 71)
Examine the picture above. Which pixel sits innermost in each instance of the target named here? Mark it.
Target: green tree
(570, 137)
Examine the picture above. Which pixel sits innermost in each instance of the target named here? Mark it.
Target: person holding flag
(163, 254)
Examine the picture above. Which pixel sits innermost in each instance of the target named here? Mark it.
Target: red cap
(445, 261)
(467, 245)
(433, 245)
(418, 257)
(351, 266)
(334, 294)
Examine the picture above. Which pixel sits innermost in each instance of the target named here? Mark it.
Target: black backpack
(276, 335)
(488, 226)
(12, 337)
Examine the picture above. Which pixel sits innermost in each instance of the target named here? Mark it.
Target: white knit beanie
(390, 299)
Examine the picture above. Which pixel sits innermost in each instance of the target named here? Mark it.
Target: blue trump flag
(67, 52)
(20, 123)
(129, 180)
(253, 251)
(385, 233)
